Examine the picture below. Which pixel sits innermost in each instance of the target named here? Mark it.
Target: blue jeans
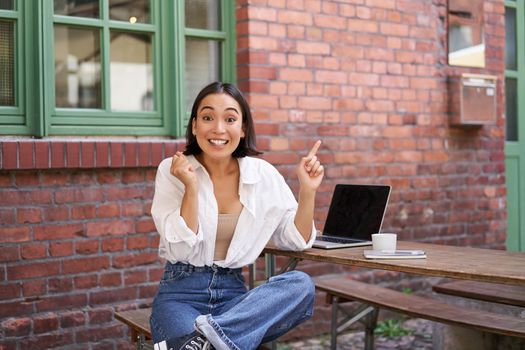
(216, 301)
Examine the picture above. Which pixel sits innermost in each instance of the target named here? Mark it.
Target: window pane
(511, 110)
(132, 11)
(78, 8)
(131, 71)
(7, 64)
(6, 5)
(510, 39)
(77, 67)
(202, 66)
(203, 14)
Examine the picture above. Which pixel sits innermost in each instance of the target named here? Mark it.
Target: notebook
(395, 254)
(355, 213)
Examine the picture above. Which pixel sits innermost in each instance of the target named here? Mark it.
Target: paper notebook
(395, 254)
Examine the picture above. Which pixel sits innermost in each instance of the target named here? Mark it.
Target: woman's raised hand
(183, 170)
(310, 171)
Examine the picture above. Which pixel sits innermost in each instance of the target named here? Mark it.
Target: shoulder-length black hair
(247, 145)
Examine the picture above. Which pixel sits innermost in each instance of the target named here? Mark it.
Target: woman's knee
(301, 282)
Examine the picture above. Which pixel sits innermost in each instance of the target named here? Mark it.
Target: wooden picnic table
(479, 264)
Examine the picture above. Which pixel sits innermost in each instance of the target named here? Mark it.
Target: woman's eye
(231, 119)
(206, 118)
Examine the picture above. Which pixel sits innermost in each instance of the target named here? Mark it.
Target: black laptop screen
(356, 211)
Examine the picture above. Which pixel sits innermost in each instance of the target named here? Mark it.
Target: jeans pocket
(171, 276)
(240, 278)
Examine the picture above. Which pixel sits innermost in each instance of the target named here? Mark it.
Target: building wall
(368, 77)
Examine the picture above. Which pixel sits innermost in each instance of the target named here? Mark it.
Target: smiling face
(218, 126)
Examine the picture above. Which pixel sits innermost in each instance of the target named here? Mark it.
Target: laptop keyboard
(337, 239)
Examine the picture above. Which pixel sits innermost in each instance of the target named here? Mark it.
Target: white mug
(384, 241)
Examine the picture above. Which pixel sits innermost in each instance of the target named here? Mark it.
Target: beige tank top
(225, 229)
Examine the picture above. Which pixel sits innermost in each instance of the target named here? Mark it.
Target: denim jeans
(216, 302)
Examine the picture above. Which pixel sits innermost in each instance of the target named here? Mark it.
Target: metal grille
(7, 66)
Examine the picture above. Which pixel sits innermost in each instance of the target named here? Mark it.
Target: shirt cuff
(177, 231)
(298, 239)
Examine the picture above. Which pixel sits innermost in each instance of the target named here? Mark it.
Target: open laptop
(356, 212)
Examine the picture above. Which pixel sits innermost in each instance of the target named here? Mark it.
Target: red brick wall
(74, 245)
(368, 77)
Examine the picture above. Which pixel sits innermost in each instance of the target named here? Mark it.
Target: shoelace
(198, 344)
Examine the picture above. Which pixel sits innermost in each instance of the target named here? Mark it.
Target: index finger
(314, 149)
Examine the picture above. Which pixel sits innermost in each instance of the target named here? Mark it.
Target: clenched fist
(183, 170)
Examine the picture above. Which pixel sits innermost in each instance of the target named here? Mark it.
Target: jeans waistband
(191, 268)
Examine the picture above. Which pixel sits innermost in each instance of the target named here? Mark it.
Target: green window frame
(35, 112)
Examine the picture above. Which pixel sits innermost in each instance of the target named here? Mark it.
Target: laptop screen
(356, 211)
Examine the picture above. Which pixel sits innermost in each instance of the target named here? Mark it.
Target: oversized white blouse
(268, 213)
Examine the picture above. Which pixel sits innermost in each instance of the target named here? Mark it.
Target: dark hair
(247, 145)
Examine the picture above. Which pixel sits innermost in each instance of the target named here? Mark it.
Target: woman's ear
(193, 127)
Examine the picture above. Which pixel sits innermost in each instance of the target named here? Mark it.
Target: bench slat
(137, 320)
(493, 292)
(422, 307)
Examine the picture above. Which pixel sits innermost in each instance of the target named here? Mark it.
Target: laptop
(355, 213)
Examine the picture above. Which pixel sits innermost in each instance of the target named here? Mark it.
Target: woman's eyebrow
(227, 109)
(233, 109)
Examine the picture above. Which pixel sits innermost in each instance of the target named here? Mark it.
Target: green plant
(391, 328)
(282, 346)
(407, 290)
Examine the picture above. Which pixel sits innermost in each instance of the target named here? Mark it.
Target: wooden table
(486, 265)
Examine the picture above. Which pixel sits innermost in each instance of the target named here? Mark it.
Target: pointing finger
(314, 149)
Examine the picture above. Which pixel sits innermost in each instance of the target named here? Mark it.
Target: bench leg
(365, 313)
(333, 325)
(370, 326)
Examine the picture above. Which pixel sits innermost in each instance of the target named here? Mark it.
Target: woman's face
(218, 125)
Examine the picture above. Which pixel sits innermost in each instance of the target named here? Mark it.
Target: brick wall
(74, 246)
(368, 77)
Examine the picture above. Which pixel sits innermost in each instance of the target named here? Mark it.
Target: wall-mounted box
(472, 99)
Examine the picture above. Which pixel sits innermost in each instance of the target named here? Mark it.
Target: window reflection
(465, 33)
(511, 109)
(7, 64)
(202, 66)
(7, 5)
(132, 11)
(131, 72)
(77, 67)
(78, 8)
(202, 14)
(510, 39)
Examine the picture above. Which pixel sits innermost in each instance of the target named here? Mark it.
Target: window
(109, 67)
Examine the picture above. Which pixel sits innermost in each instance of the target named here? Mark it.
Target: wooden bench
(373, 298)
(491, 292)
(138, 322)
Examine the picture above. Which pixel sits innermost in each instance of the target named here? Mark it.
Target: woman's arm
(183, 170)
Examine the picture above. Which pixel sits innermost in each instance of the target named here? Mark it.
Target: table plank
(487, 265)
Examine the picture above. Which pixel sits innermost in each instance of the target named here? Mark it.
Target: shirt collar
(249, 175)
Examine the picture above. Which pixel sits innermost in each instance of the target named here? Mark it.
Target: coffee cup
(384, 241)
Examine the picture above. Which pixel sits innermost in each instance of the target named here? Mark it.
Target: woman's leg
(181, 297)
(262, 314)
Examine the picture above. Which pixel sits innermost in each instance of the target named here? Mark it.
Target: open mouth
(218, 142)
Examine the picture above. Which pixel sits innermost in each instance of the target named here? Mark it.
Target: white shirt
(268, 212)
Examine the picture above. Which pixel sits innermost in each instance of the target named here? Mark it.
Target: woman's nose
(219, 126)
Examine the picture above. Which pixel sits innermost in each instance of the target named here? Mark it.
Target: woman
(215, 209)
